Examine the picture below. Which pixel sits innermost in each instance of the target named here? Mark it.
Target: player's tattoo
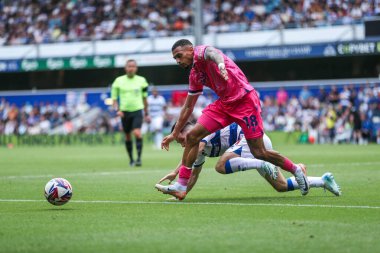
(213, 55)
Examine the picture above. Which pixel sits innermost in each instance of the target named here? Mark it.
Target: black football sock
(128, 147)
(139, 146)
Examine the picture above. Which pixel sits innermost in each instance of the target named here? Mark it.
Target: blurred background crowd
(48, 21)
(329, 115)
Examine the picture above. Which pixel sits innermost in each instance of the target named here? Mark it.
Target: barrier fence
(59, 140)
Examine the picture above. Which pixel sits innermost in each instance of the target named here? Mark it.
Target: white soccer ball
(58, 191)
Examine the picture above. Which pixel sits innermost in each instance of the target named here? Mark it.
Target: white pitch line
(194, 203)
(95, 173)
(113, 173)
(332, 165)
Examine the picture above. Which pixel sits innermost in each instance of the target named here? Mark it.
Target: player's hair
(131, 60)
(187, 124)
(181, 43)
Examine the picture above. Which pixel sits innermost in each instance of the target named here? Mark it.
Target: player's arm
(146, 110)
(213, 55)
(115, 92)
(197, 167)
(144, 90)
(115, 95)
(184, 116)
(171, 175)
(193, 178)
(115, 105)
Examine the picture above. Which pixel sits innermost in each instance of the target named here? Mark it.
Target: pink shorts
(245, 112)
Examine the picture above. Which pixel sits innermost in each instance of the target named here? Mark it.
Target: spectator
(282, 97)
(304, 95)
(40, 21)
(323, 121)
(344, 97)
(333, 95)
(322, 95)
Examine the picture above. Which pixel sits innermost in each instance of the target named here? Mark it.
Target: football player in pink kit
(238, 102)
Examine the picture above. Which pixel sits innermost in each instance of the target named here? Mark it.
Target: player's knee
(137, 133)
(259, 154)
(192, 139)
(280, 187)
(220, 167)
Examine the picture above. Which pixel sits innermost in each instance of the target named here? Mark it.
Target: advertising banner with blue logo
(305, 51)
(321, 50)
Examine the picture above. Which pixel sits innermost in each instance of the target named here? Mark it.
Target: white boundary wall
(152, 45)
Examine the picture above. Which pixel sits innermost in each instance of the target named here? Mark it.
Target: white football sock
(158, 139)
(242, 164)
(315, 182)
(179, 187)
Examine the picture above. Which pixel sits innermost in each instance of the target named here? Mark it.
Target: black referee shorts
(132, 120)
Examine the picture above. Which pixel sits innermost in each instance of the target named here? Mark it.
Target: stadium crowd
(49, 21)
(43, 118)
(347, 115)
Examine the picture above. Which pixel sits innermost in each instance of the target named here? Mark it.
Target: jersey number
(251, 121)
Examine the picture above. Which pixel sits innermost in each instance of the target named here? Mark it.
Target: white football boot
(302, 180)
(176, 190)
(330, 184)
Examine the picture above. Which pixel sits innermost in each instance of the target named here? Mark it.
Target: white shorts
(156, 124)
(241, 147)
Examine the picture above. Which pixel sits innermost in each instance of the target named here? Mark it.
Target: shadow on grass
(58, 209)
(260, 199)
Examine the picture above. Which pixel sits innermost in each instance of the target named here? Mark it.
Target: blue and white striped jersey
(217, 143)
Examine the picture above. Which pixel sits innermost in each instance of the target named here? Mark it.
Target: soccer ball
(58, 191)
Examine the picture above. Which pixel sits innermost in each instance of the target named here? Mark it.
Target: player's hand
(120, 114)
(223, 71)
(171, 176)
(148, 119)
(166, 142)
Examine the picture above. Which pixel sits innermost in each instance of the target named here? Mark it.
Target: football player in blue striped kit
(231, 146)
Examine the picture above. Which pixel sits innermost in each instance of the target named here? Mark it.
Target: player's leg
(126, 122)
(212, 119)
(178, 190)
(326, 181)
(250, 121)
(239, 158)
(230, 163)
(190, 153)
(258, 150)
(281, 184)
(137, 121)
(157, 125)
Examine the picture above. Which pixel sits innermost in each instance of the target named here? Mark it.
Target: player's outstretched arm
(197, 167)
(213, 55)
(172, 175)
(193, 178)
(184, 116)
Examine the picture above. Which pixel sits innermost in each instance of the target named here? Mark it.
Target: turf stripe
(97, 173)
(112, 173)
(194, 203)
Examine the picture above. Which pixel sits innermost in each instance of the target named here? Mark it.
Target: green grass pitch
(115, 208)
